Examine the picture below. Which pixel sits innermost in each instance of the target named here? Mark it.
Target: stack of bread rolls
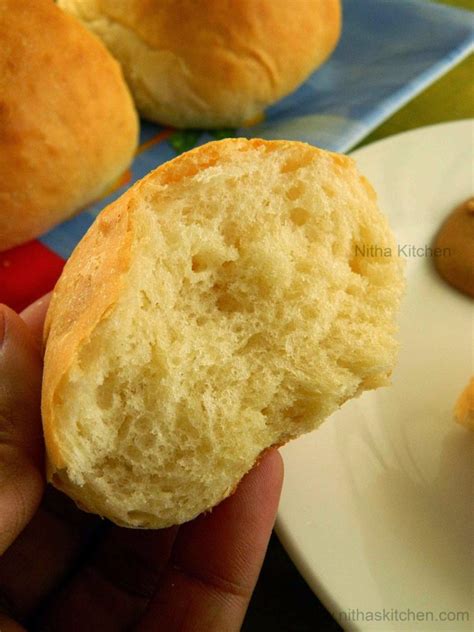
(68, 127)
(212, 63)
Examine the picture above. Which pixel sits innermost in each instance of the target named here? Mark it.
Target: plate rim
(288, 538)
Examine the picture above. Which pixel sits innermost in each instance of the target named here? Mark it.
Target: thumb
(21, 443)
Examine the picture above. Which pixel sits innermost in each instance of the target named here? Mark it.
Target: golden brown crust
(213, 62)
(201, 158)
(100, 260)
(68, 127)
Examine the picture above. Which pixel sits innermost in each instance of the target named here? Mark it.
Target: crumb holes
(295, 192)
(145, 300)
(142, 518)
(296, 412)
(227, 303)
(296, 162)
(329, 191)
(201, 320)
(309, 313)
(356, 257)
(305, 267)
(231, 183)
(355, 265)
(124, 428)
(299, 216)
(105, 394)
(132, 452)
(147, 441)
(199, 263)
(352, 290)
(187, 216)
(254, 342)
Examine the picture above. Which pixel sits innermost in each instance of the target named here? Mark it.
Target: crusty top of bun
(68, 127)
(221, 306)
(212, 63)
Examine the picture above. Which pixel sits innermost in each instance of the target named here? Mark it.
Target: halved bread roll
(221, 306)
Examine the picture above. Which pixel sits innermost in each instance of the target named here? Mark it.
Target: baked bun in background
(455, 240)
(212, 63)
(68, 126)
(464, 409)
(219, 307)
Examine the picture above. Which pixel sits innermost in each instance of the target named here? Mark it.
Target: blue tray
(389, 51)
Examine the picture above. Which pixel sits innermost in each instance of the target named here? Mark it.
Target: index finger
(217, 557)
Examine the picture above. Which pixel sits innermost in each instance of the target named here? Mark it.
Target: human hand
(66, 570)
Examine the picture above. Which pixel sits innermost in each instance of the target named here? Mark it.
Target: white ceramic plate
(377, 506)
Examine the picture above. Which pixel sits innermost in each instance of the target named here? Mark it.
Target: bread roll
(221, 306)
(464, 409)
(212, 63)
(455, 242)
(68, 127)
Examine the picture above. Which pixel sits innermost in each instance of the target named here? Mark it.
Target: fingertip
(14, 330)
(217, 557)
(273, 464)
(262, 485)
(34, 316)
(7, 316)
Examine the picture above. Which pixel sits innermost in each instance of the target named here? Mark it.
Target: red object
(27, 272)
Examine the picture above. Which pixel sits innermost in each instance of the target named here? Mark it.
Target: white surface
(377, 505)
